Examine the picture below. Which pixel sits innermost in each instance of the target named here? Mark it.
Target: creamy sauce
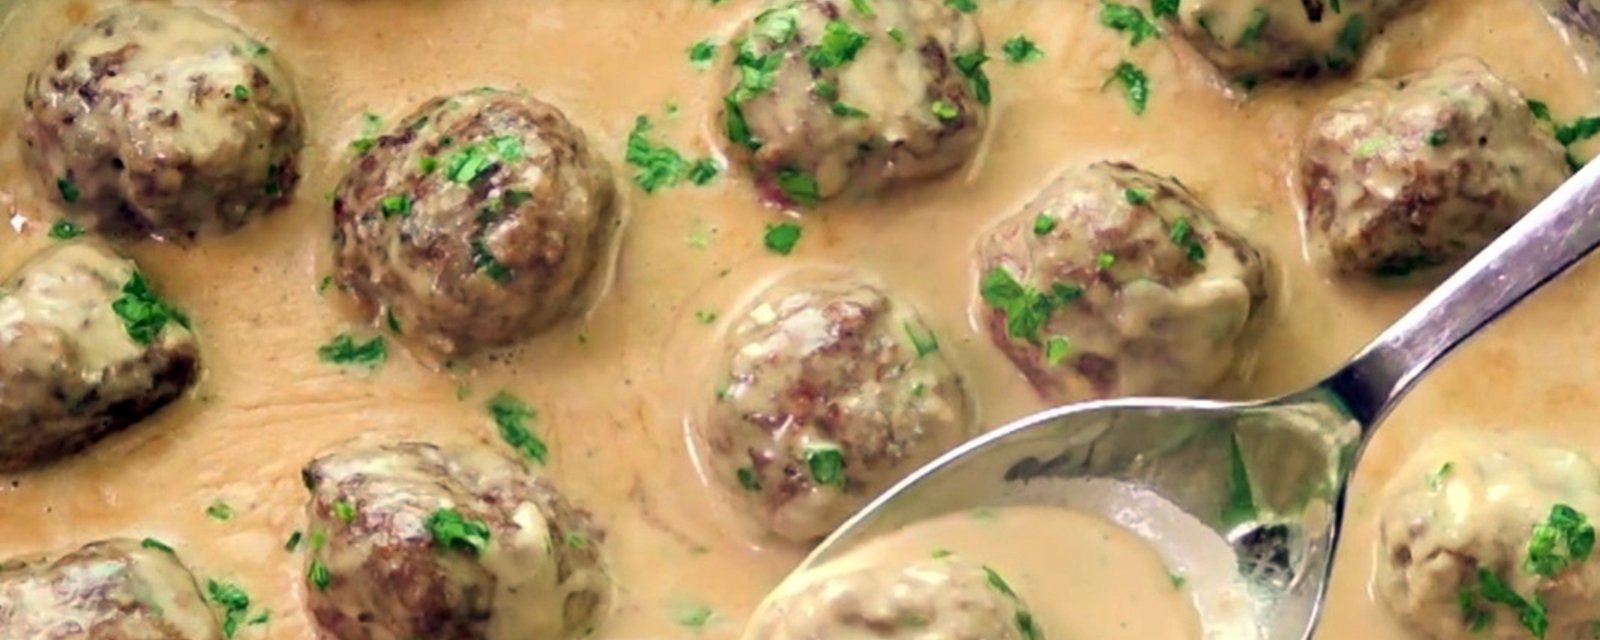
(613, 404)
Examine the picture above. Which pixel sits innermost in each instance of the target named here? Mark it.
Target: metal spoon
(1260, 484)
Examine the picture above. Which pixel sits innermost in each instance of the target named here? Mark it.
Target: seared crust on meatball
(822, 98)
(1251, 39)
(829, 392)
(1118, 282)
(950, 599)
(107, 590)
(74, 369)
(162, 120)
(1424, 170)
(476, 223)
(1472, 510)
(413, 540)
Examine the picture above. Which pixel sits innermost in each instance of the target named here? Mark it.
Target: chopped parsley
(1056, 350)
(864, 7)
(1026, 625)
(293, 543)
(234, 602)
(1437, 478)
(998, 582)
(922, 339)
(1250, 38)
(1137, 197)
(970, 64)
(1105, 260)
(1491, 589)
(1541, 111)
(964, 6)
(846, 111)
(144, 315)
(344, 510)
(945, 111)
(1169, 8)
(1044, 224)
(1135, 85)
(940, 554)
(660, 166)
(1565, 538)
(1352, 37)
(1178, 580)
(1183, 235)
(65, 230)
(514, 419)
(1019, 49)
(370, 122)
(748, 480)
(318, 575)
(1580, 130)
(701, 53)
(1026, 309)
(800, 187)
(154, 544)
(68, 190)
(344, 350)
(395, 205)
(241, 92)
(453, 532)
(705, 316)
(827, 465)
(781, 237)
(694, 617)
(839, 45)
(483, 260)
(1129, 20)
(220, 511)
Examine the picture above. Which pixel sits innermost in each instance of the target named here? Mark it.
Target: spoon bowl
(1249, 495)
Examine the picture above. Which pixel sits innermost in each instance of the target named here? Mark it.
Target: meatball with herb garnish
(1117, 282)
(1491, 535)
(108, 590)
(165, 121)
(829, 95)
(476, 223)
(413, 540)
(1424, 170)
(942, 598)
(829, 392)
(87, 348)
(1251, 39)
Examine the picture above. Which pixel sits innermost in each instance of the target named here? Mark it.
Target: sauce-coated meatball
(86, 349)
(1118, 282)
(1424, 170)
(829, 392)
(1476, 514)
(417, 541)
(950, 599)
(108, 590)
(162, 120)
(1249, 39)
(822, 98)
(475, 223)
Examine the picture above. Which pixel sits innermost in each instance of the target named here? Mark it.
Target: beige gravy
(615, 389)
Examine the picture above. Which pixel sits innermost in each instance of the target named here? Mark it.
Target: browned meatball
(474, 224)
(108, 590)
(829, 392)
(1253, 38)
(412, 540)
(823, 97)
(162, 120)
(1118, 282)
(1424, 170)
(86, 349)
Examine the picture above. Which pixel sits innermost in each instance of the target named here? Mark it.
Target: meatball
(949, 598)
(1425, 170)
(1248, 39)
(86, 349)
(475, 223)
(1117, 282)
(162, 120)
(830, 391)
(823, 97)
(413, 540)
(1473, 515)
(107, 590)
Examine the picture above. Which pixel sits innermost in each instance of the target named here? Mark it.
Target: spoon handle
(1544, 244)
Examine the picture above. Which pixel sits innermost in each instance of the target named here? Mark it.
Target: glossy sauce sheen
(614, 404)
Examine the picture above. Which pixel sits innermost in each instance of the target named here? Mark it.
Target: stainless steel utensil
(1260, 483)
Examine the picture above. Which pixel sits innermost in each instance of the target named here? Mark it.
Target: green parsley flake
(318, 575)
(1019, 50)
(1169, 8)
(514, 419)
(660, 166)
(144, 315)
(1137, 197)
(220, 511)
(1026, 309)
(1135, 85)
(345, 511)
(705, 316)
(1491, 589)
(1184, 235)
(154, 544)
(846, 111)
(839, 45)
(241, 92)
(964, 6)
(998, 582)
(452, 531)
(1437, 478)
(1178, 580)
(395, 205)
(748, 480)
(940, 554)
(344, 350)
(65, 230)
(68, 190)
(864, 7)
(945, 111)
(1128, 19)
(293, 543)
(827, 465)
(799, 187)
(922, 339)
(781, 237)
(234, 602)
(1565, 538)
(694, 617)
(702, 53)
(1044, 224)
(971, 65)
(1105, 260)
(1347, 47)
(1056, 350)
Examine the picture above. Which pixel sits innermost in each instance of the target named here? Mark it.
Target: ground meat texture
(1474, 503)
(949, 599)
(1424, 170)
(822, 98)
(162, 120)
(107, 590)
(475, 223)
(413, 540)
(73, 369)
(1255, 39)
(829, 392)
(1118, 282)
